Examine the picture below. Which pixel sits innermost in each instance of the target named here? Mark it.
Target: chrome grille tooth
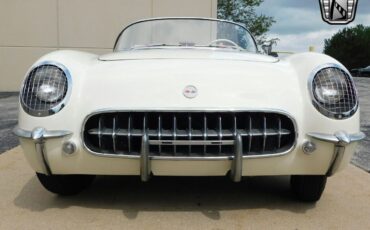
(237, 137)
(189, 132)
(219, 132)
(129, 133)
(159, 132)
(204, 133)
(99, 130)
(264, 134)
(145, 129)
(174, 133)
(250, 134)
(235, 125)
(279, 132)
(145, 123)
(114, 134)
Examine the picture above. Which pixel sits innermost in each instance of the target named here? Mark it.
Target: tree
(350, 46)
(243, 11)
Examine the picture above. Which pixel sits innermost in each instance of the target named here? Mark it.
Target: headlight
(334, 93)
(45, 89)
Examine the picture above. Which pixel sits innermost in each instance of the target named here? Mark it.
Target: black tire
(65, 185)
(308, 188)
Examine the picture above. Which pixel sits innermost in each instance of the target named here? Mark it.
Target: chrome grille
(339, 81)
(44, 74)
(189, 134)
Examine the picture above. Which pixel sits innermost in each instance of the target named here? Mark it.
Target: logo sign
(190, 91)
(338, 12)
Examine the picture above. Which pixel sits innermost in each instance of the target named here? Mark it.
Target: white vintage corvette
(187, 97)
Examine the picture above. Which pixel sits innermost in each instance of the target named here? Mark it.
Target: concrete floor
(179, 203)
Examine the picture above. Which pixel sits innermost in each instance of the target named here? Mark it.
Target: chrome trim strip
(61, 105)
(212, 133)
(218, 158)
(22, 133)
(316, 104)
(46, 134)
(266, 110)
(340, 140)
(188, 142)
(338, 137)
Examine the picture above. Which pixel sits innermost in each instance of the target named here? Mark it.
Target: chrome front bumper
(236, 166)
(340, 140)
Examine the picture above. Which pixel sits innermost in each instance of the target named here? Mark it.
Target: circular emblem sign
(190, 91)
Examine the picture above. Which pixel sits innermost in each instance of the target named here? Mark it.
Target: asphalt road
(8, 119)
(9, 109)
(362, 155)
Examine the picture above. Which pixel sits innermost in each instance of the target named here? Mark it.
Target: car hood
(159, 84)
(187, 53)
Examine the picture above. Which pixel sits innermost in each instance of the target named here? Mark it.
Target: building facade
(32, 28)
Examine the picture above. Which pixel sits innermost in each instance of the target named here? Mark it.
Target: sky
(299, 24)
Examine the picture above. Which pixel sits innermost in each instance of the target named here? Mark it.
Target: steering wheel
(231, 43)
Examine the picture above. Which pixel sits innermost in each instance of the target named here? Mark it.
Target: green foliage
(350, 46)
(243, 11)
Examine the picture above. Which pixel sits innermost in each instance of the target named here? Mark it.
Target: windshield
(185, 32)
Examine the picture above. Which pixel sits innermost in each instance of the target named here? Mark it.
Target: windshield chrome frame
(183, 18)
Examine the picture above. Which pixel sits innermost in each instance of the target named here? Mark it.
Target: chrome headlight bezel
(51, 107)
(322, 107)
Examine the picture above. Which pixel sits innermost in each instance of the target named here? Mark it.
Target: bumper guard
(39, 135)
(340, 140)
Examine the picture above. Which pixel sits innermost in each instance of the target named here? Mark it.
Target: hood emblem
(190, 91)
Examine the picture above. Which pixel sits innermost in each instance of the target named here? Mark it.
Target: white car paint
(154, 79)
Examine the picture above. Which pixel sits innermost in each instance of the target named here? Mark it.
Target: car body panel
(154, 80)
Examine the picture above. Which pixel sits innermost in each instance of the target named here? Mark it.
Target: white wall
(32, 28)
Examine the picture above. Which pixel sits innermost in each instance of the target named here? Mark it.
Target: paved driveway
(8, 119)
(179, 203)
(362, 156)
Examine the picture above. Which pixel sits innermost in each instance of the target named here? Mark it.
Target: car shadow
(207, 195)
